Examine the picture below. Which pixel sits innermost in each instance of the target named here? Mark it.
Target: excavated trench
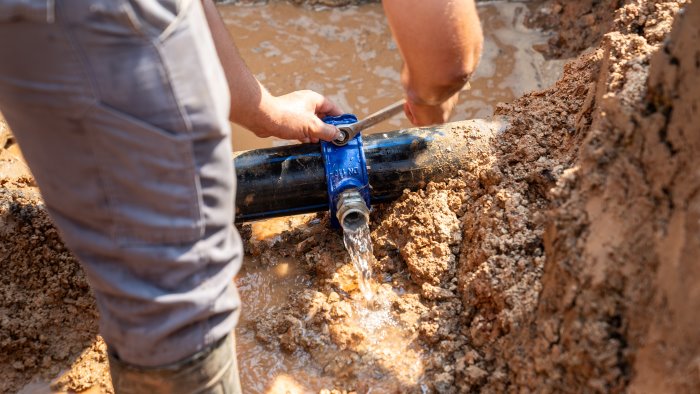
(563, 258)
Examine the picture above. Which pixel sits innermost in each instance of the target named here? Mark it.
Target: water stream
(359, 246)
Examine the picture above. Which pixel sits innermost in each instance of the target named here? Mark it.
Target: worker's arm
(291, 116)
(440, 42)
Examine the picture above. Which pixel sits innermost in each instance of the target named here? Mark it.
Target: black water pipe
(290, 180)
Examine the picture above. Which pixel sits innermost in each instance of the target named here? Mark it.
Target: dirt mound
(621, 291)
(562, 259)
(601, 287)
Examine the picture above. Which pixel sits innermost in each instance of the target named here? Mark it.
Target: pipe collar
(346, 169)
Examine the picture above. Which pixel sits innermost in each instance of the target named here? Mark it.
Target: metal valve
(346, 170)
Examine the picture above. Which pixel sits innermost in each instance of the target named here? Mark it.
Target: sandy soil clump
(563, 258)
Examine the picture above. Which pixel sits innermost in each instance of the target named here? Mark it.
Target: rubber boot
(213, 370)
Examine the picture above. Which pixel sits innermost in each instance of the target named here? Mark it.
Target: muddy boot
(213, 370)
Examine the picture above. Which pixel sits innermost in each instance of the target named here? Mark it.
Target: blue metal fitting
(345, 167)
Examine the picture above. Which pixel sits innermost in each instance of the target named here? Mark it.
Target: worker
(122, 110)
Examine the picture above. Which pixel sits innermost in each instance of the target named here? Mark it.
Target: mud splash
(349, 54)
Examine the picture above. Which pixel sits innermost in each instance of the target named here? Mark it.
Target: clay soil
(564, 258)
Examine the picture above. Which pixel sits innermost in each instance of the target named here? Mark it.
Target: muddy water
(348, 54)
(264, 370)
(261, 369)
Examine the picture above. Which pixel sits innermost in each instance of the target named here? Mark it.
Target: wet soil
(562, 258)
(48, 316)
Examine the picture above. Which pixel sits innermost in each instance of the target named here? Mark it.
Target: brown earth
(576, 25)
(563, 259)
(48, 319)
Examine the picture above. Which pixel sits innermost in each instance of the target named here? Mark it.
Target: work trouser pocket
(157, 18)
(27, 11)
(151, 19)
(150, 177)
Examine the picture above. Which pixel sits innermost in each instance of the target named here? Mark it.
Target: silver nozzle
(352, 212)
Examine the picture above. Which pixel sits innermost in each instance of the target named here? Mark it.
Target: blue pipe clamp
(345, 166)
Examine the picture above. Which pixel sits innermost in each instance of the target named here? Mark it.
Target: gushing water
(359, 246)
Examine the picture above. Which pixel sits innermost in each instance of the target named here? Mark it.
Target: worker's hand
(297, 116)
(426, 115)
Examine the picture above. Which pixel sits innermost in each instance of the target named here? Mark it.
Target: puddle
(385, 341)
(348, 54)
(263, 370)
(385, 344)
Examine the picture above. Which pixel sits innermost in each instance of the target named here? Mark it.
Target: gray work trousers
(121, 110)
